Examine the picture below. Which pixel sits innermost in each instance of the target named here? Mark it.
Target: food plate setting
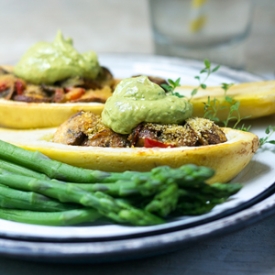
(110, 242)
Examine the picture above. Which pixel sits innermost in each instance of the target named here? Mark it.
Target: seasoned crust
(87, 129)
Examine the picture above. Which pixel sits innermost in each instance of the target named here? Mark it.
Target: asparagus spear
(66, 192)
(195, 207)
(201, 198)
(70, 217)
(219, 190)
(165, 202)
(131, 182)
(122, 211)
(204, 192)
(20, 170)
(17, 199)
(186, 173)
(138, 182)
(144, 186)
(52, 168)
(150, 183)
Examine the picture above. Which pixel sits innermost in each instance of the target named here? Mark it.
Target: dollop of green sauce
(48, 62)
(136, 100)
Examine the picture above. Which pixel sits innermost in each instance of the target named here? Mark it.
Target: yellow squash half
(257, 99)
(23, 115)
(227, 159)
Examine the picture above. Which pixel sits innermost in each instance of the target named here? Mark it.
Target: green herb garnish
(269, 132)
(171, 86)
(213, 106)
(208, 70)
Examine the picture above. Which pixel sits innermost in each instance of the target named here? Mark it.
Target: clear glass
(202, 29)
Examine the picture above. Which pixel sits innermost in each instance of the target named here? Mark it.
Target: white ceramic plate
(257, 178)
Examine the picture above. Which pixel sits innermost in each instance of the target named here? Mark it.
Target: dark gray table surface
(250, 250)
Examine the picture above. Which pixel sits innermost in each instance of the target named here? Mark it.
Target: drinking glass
(216, 30)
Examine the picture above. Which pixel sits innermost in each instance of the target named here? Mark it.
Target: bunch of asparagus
(38, 190)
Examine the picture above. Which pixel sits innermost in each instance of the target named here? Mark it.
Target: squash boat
(38, 91)
(257, 99)
(227, 159)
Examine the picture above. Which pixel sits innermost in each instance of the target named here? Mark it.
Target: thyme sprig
(172, 85)
(206, 70)
(269, 131)
(213, 106)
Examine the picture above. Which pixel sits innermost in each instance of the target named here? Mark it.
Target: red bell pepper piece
(19, 87)
(150, 143)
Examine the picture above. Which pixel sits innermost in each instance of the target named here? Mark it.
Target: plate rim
(135, 248)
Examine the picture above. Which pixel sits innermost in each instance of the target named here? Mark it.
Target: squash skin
(22, 115)
(227, 159)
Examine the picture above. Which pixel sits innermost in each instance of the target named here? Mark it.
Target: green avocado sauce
(48, 62)
(137, 100)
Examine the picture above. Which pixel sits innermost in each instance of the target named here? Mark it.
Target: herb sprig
(206, 70)
(269, 131)
(213, 106)
(171, 86)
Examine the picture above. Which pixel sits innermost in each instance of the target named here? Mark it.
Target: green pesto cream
(137, 100)
(48, 62)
